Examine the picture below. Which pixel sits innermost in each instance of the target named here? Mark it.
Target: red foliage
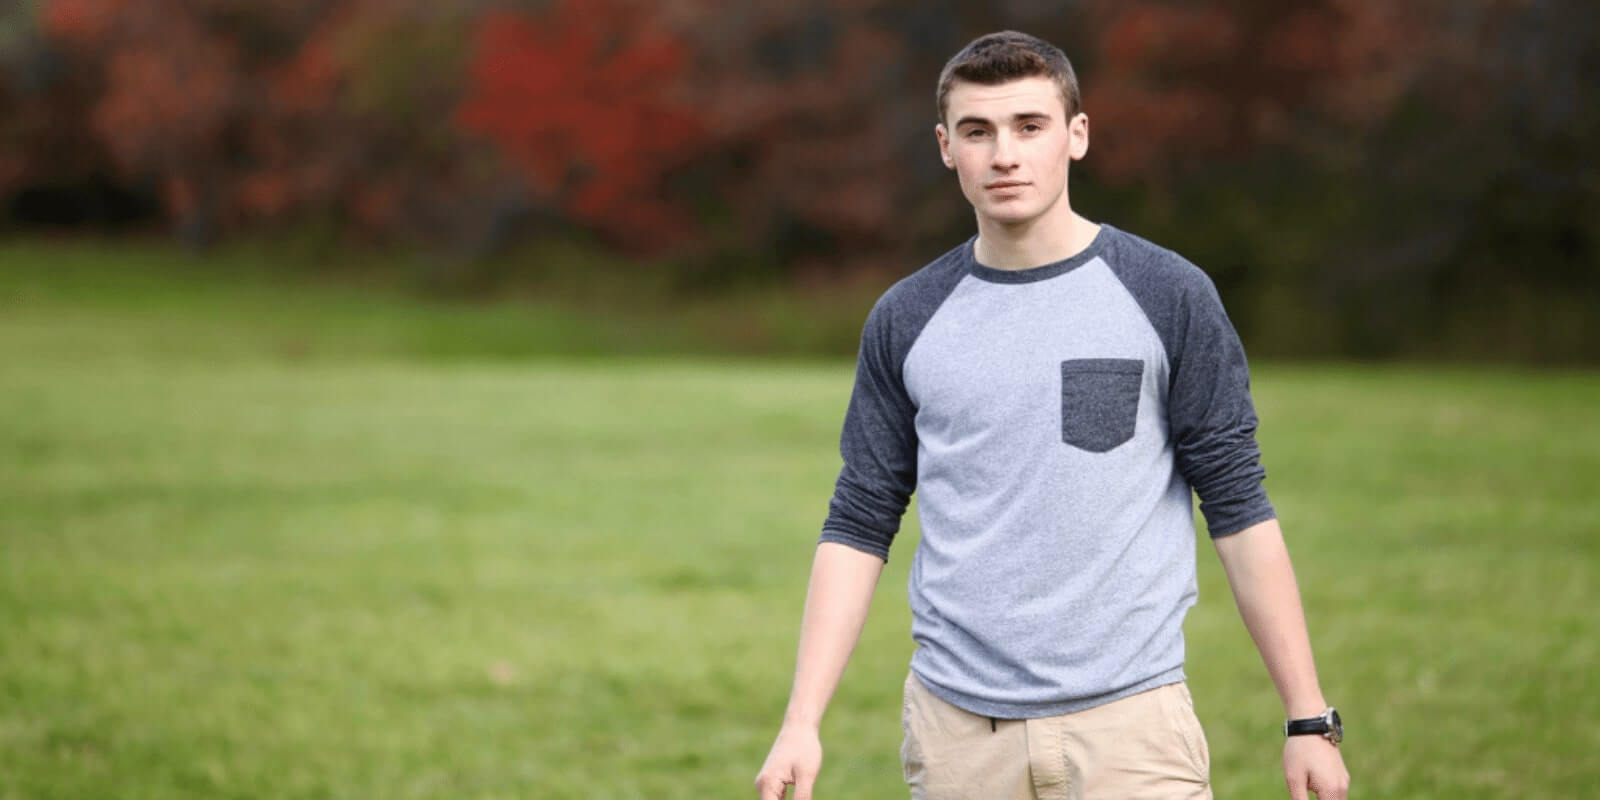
(238, 111)
(619, 114)
(587, 101)
(787, 116)
(178, 100)
(82, 20)
(163, 99)
(1178, 81)
(307, 82)
(811, 103)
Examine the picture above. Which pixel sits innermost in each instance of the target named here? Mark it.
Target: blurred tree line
(1361, 177)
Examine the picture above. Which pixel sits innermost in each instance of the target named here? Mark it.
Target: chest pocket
(1100, 401)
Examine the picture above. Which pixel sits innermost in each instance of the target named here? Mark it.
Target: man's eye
(976, 133)
(1032, 127)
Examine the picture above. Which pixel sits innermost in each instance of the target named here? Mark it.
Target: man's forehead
(1032, 94)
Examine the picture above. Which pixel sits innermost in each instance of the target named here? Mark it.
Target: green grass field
(296, 542)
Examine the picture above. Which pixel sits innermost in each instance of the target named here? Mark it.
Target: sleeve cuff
(1232, 526)
(855, 542)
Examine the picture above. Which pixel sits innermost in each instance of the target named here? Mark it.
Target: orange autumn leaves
(652, 123)
(588, 103)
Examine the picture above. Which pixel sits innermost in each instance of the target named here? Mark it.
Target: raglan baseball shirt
(1052, 421)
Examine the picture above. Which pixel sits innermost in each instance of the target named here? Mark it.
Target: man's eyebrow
(1024, 116)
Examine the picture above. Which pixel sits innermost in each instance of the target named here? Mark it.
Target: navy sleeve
(1212, 417)
(879, 441)
(1209, 410)
(878, 445)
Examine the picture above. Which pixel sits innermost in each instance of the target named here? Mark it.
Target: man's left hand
(1312, 763)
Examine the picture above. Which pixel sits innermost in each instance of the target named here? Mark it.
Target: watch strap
(1328, 726)
(1305, 727)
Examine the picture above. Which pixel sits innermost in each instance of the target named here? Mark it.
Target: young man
(1053, 389)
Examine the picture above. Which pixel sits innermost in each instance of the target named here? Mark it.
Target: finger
(1336, 789)
(770, 787)
(804, 781)
(1297, 786)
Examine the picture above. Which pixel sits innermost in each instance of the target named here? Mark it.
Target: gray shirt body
(1052, 422)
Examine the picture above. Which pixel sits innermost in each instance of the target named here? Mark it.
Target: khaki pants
(1146, 746)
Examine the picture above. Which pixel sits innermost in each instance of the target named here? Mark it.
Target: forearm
(840, 592)
(1262, 577)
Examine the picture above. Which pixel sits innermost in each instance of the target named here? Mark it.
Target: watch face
(1335, 726)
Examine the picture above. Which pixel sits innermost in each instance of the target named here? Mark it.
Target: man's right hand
(842, 579)
(796, 758)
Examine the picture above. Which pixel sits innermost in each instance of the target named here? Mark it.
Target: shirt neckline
(1043, 271)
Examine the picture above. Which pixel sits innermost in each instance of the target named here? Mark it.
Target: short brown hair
(997, 58)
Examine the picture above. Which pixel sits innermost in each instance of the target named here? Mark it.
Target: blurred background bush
(1362, 178)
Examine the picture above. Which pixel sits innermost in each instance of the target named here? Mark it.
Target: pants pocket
(1100, 402)
(1188, 726)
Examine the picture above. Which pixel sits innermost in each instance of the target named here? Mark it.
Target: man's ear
(1079, 130)
(943, 136)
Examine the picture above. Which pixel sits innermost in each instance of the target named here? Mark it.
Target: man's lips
(1006, 185)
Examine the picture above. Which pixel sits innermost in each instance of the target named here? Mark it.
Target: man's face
(1010, 145)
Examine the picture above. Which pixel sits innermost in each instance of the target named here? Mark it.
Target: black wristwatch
(1328, 726)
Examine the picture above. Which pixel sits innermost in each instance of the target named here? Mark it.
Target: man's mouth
(1006, 185)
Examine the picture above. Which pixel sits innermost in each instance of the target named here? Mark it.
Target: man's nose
(1005, 152)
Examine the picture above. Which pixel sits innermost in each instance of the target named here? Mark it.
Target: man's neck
(1045, 240)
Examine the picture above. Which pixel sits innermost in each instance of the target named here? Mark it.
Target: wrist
(1305, 707)
(1303, 711)
(801, 720)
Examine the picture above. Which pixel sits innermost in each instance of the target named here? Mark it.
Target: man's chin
(1010, 217)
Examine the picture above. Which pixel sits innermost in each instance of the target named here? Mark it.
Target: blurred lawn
(141, 301)
(232, 566)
